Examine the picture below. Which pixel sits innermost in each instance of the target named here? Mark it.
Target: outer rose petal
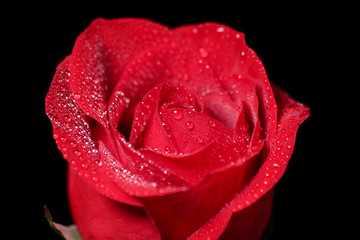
(102, 52)
(251, 222)
(227, 53)
(98, 217)
(291, 115)
(247, 224)
(72, 134)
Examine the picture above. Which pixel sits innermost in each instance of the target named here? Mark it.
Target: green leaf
(67, 232)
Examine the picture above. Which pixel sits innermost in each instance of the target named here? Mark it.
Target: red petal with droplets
(98, 217)
(72, 133)
(195, 207)
(291, 115)
(227, 53)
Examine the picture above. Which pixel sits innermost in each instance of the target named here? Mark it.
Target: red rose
(170, 133)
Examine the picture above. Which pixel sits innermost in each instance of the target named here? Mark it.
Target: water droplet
(177, 115)
(189, 125)
(212, 124)
(77, 153)
(85, 166)
(220, 29)
(203, 52)
(67, 118)
(77, 96)
(200, 140)
(167, 149)
(55, 136)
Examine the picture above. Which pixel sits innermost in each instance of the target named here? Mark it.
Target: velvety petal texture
(170, 133)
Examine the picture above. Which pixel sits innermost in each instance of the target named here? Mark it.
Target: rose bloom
(170, 133)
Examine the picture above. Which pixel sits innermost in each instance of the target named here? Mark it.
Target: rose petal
(246, 224)
(202, 149)
(216, 39)
(73, 135)
(195, 207)
(101, 54)
(242, 92)
(184, 141)
(220, 107)
(137, 175)
(175, 62)
(148, 130)
(241, 133)
(98, 217)
(291, 115)
(251, 222)
(89, 74)
(228, 53)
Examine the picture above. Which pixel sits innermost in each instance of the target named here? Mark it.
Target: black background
(297, 45)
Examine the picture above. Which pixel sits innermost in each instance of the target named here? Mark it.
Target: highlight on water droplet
(220, 29)
(77, 96)
(203, 52)
(177, 115)
(200, 140)
(189, 125)
(167, 149)
(85, 165)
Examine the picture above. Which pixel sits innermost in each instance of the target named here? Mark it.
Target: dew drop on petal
(77, 96)
(177, 115)
(167, 149)
(189, 125)
(84, 165)
(77, 153)
(203, 52)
